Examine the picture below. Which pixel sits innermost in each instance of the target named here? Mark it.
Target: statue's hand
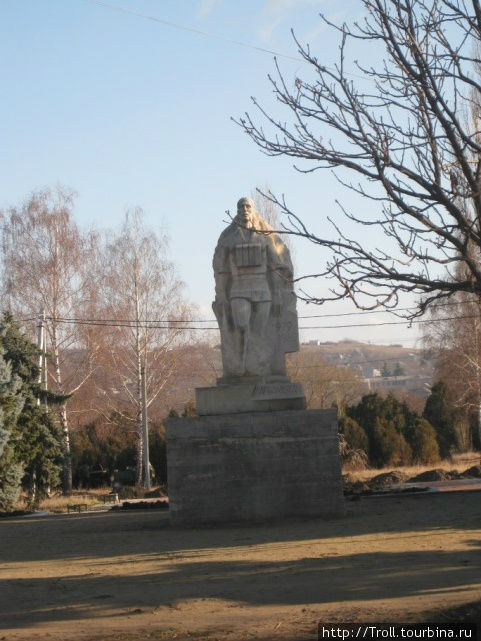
(221, 301)
(218, 306)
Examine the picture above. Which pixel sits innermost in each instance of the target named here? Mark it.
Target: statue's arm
(280, 265)
(280, 274)
(221, 274)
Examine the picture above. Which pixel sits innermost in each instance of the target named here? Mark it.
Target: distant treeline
(389, 432)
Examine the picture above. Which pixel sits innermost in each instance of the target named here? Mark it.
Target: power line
(349, 364)
(128, 324)
(181, 27)
(215, 36)
(386, 311)
(145, 324)
(169, 321)
(132, 321)
(384, 323)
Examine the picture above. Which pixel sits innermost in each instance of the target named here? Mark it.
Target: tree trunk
(67, 456)
(32, 489)
(138, 396)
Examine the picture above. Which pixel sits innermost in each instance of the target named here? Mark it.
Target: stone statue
(253, 452)
(255, 304)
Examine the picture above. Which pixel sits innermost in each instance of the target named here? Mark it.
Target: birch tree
(143, 304)
(45, 268)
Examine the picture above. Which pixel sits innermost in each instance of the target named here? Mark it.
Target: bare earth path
(130, 576)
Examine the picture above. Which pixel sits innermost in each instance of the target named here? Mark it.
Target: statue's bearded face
(245, 212)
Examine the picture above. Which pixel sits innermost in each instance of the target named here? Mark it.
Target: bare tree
(401, 132)
(324, 384)
(45, 263)
(270, 212)
(264, 205)
(147, 317)
(454, 339)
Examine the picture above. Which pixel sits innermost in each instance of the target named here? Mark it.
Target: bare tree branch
(402, 131)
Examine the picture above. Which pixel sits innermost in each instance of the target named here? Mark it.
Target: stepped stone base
(253, 466)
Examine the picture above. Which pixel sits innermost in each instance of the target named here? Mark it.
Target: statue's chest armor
(249, 255)
(249, 272)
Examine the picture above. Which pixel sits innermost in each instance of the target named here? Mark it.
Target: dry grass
(459, 462)
(58, 503)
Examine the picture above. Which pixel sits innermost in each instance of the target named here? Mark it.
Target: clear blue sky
(131, 112)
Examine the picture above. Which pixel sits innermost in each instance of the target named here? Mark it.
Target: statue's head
(245, 212)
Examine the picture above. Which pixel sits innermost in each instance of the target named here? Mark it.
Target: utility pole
(42, 382)
(45, 371)
(42, 369)
(145, 431)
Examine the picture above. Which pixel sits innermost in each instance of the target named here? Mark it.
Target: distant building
(418, 384)
(381, 382)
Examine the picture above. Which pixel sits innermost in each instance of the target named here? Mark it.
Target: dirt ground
(130, 576)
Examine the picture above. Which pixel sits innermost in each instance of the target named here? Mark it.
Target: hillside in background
(382, 367)
(407, 372)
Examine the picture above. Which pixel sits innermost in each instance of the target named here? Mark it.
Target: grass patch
(58, 503)
(459, 462)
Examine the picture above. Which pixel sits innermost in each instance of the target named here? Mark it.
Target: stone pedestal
(257, 396)
(253, 466)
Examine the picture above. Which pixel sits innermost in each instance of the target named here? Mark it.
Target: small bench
(76, 507)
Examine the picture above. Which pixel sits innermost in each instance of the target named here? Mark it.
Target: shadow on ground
(181, 566)
(114, 533)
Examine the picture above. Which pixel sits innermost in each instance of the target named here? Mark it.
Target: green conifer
(11, 404)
